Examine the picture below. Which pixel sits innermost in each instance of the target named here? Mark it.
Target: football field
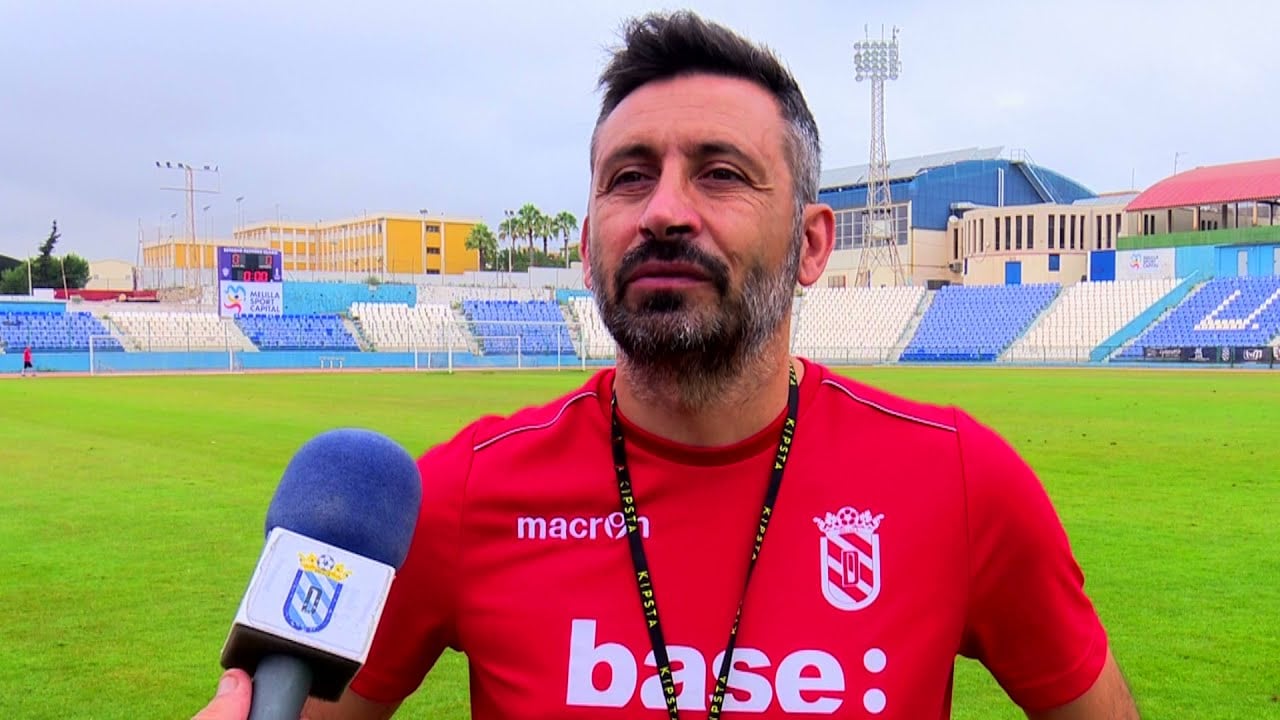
(131, 514)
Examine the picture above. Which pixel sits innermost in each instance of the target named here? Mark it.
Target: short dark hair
(662, 46)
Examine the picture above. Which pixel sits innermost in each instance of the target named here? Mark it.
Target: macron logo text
(612, 526)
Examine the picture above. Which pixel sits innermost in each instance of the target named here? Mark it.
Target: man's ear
(818, 240)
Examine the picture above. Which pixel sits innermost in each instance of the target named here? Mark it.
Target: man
(27, 363)
(714, 497)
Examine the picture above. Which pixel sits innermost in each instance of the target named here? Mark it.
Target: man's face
(692, 237)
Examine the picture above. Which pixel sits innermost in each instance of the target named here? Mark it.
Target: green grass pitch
(131, 512)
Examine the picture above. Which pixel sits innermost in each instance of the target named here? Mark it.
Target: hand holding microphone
(338, 528)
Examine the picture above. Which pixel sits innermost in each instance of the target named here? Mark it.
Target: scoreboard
(250, 281)
(254, 266)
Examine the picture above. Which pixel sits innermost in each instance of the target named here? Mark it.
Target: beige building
(111, 275)
(1034, 243)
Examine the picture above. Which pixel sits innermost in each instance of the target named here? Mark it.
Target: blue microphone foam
(356, 489)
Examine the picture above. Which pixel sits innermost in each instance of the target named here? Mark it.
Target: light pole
(511, 238)
(1175, 160)
(208, 235)
(878, 61)
(239, 217)
(423, 213)
(190, 189)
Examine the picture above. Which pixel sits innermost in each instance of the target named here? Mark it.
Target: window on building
(1051, 219)
(1018, 225)
(997, 224)
(836, 281)
(1062, 231)
(1008, 232)
(955, 244)
(1031, 232)
(1097, 239)
(982, 234)
(1073, 232)
(1055, 262)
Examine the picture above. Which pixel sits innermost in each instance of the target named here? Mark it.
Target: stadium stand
(854, 323)
(976, 324)
(297, 332)
(1085, 315)
(1225, 312)
(319, 298)
(167, 330)
(53, 332)
(455, 295)
(596, 342)
(396, 326)
(508, 327)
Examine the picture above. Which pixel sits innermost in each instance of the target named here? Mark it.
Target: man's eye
(626, 178)
(723, 174)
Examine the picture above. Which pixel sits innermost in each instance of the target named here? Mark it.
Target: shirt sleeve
(419, 619)
(1028, 619)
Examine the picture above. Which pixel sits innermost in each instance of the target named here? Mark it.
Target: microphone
(337, 530)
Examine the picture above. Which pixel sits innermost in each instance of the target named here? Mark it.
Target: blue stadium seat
(505, 327)
(54, 332)
(1225, 312)
(976, 323)
(297, 332)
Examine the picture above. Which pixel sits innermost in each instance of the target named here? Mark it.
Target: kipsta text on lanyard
(648, 600)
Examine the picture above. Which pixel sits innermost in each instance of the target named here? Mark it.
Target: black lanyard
(648, 600)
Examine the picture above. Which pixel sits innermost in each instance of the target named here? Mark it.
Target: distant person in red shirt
(715, 525)
(27, 363)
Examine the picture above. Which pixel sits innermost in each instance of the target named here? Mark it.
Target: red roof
(1236, 182)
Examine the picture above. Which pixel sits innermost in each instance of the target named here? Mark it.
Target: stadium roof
(1235, 182)
(1114, 198)
(903, 168)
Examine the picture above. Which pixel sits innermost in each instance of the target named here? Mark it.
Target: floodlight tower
(877, 61)
(190, 190)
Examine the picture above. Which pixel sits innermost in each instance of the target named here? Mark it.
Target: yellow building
(390, 244)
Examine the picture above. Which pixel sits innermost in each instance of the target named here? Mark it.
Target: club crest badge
(314, 594)
(850, 554)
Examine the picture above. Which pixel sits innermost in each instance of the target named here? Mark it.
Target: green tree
(482, 240)
(529, 223)
(565, 223)
(14, 280)
(508, 230)
(45, 272)
(76, 270)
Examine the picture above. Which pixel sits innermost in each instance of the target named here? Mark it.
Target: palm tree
(566, 224)
(529, 222)
(482, 240)
(509, 230)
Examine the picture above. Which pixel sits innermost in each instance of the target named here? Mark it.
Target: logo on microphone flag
(314, 593)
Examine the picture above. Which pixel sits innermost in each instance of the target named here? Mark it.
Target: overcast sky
(333, 109)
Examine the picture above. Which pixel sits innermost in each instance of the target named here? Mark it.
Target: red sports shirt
(904, 534)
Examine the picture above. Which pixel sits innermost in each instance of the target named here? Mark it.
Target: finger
(232, 699)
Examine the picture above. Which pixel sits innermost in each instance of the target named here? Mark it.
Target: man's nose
(671, 212)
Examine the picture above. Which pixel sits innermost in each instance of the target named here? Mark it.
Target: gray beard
(694, 356)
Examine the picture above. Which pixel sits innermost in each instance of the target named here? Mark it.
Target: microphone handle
(281, 685)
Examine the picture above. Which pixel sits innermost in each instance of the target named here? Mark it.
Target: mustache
(665, 251)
